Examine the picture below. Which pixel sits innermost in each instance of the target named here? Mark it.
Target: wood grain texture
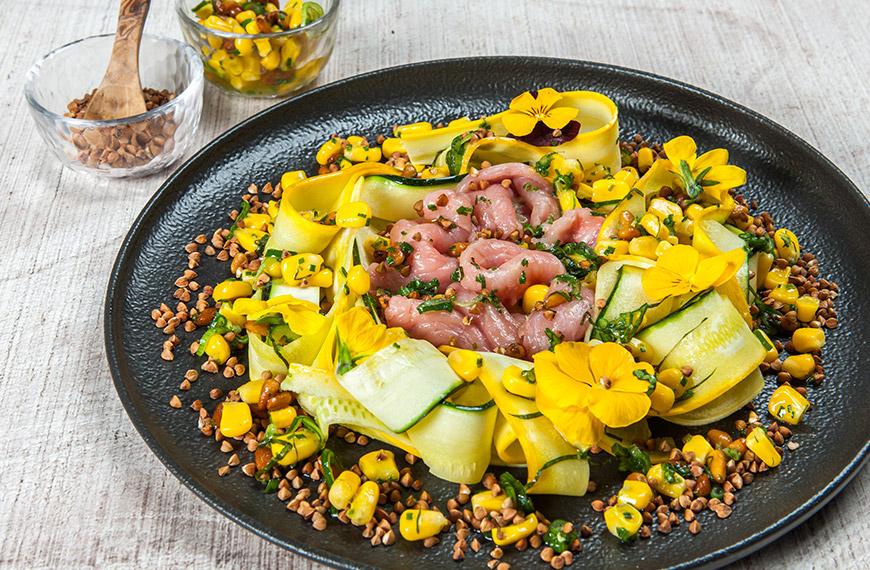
(79, 487)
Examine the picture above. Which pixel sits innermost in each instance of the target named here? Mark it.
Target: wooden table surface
(80, 488)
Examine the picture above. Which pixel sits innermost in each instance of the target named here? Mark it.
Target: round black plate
(804, 190)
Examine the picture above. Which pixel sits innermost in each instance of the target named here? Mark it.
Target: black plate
(804, 190)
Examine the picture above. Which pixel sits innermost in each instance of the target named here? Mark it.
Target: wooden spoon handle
(124, 64)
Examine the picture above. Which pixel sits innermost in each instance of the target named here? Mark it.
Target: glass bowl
(283, 64)
(133, 146)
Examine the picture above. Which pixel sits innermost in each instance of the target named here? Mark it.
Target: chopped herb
(542, 166)
(558, 540)
(529, 187)
(406, 248)
(457, 274)
(717, 492)
(622, 328)
(432, 207)
(481, 279)
(670, 473)
(464, 210)
(517, 492)
(683, 469)
(534, 231)
(563, 181)
(522, 278)
(271, 486)
(455, 152)
(757, 244)
(255, 7)
(578, 258)
(731, 453)
(646, 377)
(422, 288)
(330, 465)
(244, 210)
(435, 305)
(632, 458)
(623, 535)
(669, 223)
(529, 376)
(344, 361)
(609, 250)
(552, 338)
(524, 262)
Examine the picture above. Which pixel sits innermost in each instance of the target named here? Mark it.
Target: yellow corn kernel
(638, 494)
(245, 306)
(787, 246)
(235, 419)
(656, 478)
(215, 42)
(653, 225)
(662, 399)
(217, 23)
(288, 179)
(514, 382)
(628, 175)
(787, 404)
(419, 524)
(584, 191)
(237, 83)
(329, 149)
(270, 62)
(322, 278)
(786, 293)
(231, 289)
(362, 507)
(673, 378)
(245, 15)
(244, 46)
(759, 444)
(356, 140)
(806, 308)
(300, 445)
(362, 153)
(270, 7)
(248, 238)
(413, 128)
(379, 466)
(776, 277)
(251, 27)
(358, 280)
(256, 221)
(694, 211)
(488, 501)
(534, 295)
(609, 189)
(300, 267)
(665, 208)
(772, 353)
(515, 532)
(271, 267)
(662, 247)
(283, 418)
(623, 521)
(289, 52)
(393, 145)
(611, 247)
(233, 65)
(465, 363)
(645, 158)
(250, 392)
(698, 445)
(353, 215)
(567, 200)
(218, 348)
(644, 246)
(272, 209)
(343, 489)
(808, 339)
(799, 366)
(264, 48)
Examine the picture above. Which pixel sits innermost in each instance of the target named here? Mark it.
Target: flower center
(605, 382)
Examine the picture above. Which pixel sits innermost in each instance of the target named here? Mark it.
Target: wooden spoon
(120, 93)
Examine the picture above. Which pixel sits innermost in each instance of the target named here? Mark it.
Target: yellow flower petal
(681, 148)
(547, 97)
(716, 270)
(659, 283)
(559, 117)
(522, 103)
(573, 360)
(679, 259)
(726, 177)
(577, 425)
(618, 409)
(357, 329)
(556, 388)
(609, 360)
(715, 157)
(628, 382)
(518, 124)
(302, 317)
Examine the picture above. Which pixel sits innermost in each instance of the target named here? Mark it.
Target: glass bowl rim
(195, 83)
(183, 11)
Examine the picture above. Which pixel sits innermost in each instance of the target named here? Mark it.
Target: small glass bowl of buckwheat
(172, 80)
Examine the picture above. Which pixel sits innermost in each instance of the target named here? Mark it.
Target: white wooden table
(79, 488)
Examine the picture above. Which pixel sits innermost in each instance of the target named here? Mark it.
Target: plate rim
(718, 558)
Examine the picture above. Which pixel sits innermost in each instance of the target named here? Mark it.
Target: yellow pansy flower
(526, 110)
(359, 337)
(583, 388)
(680, 270)
(709, 173)
(303, 317)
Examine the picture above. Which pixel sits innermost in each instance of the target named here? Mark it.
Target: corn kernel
(413, 128)
(235, 419)
(218, 348)
(282, 418)
(611, 247)
(418, 524)
(488, 501)
(644, 246)
(645, 158)
(353, 215)
(250, 392)
(329, 149)
(534, 295)
(787, 246)
(759, 444)
(343, 489)
(249, 239)
(698, 445)
(623, 521)
(515, 532)
(245, 15)
(393, 145)
(787, 404)
(653, 225)
(609, 189)
(362, 507)
(244, 46)
(362, 153)
(379, 466)
(806, 308)
(808, 339)
(300, 267)
(772, 353)
(662, 247)
(271, 267)
(776, 277)
(628, 175)
(264, 48)
(662, 399)
(231, 289)
(245, 306)
(567, 199)
(665, 209)
(322, 278)
(233, 65)
(515, 383)
(299, 445)
(271, 61)
(465, 363)
(358, 280)
(256, 221)
(356, 140)
(288, 179)
(799, 366)
(673, 378)
(638, 494)
(289, 52)
(694, 211)
(215, 42)
(671, 483)
(786, 293)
